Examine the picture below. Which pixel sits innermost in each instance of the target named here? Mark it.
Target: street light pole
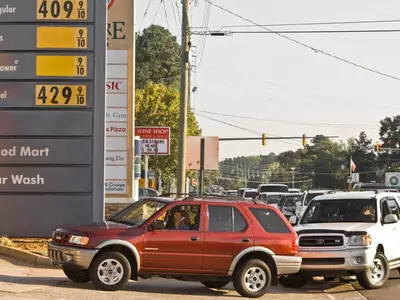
(292, 168)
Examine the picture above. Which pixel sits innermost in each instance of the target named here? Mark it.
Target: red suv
(199, 239)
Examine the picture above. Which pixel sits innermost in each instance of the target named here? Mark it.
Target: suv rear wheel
(294, 281)
(80, 276)
(110, 271)
(217, 284)
(376, 276)
(252, 279)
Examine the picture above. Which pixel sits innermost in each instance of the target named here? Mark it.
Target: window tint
(181, 217)
(393, 207)
(239, 222)
(269, 220)
(225, 219)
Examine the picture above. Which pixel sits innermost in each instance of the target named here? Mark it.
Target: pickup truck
(210, 240)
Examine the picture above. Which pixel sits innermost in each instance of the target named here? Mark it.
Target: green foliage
(157, 57)
(158, 105)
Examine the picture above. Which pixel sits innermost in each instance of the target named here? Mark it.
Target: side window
(239, 222)
(183, 217)
(269, 220)
(393, 207)
(225, 219)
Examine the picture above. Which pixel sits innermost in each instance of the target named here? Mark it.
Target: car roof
(318, 191)
(273, 184)
(274, 193)
(294, 194)
(354, 195)
(222, 199)
(251, 190)
(160, 199)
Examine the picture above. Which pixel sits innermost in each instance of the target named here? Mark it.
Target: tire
(260, 271)
(121, 272)
(80, 276)
(218, 284)
(377, 275)
(293, 281)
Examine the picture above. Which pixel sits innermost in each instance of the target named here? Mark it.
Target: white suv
(348, 233)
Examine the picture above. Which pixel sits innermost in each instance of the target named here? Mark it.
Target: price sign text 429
(60, 95)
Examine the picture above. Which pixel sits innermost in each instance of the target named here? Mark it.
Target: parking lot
(22, 282)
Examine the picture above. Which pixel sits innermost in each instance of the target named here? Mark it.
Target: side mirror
(156, 225)
(390, 219)
(293, 220)
(298, 203)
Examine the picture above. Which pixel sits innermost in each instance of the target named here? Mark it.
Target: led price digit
(55, 9)
(66, 94)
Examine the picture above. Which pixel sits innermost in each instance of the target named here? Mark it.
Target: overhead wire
(175, 18)
(146, 36)
(304, 24)
(145, 14)
(206, 19)
(166, 15)
(288, 122)
(229, 33)
(316, 50)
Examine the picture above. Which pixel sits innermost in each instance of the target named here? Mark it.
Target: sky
(265, 83)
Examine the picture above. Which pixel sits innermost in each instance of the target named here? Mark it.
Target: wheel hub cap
(255, 279)
(110, 271)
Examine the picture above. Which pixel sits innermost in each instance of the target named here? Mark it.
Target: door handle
(194, 238)
(245, 240)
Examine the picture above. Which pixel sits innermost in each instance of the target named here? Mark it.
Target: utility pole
(185, 70)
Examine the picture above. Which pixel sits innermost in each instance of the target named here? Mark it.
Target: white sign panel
(155, 140)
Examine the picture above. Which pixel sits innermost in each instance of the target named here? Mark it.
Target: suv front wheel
(110, 271)
(252, 279)
(376, 276)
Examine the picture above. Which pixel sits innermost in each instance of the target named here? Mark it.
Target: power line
(166, 15)
(145, 14)
(242, 128)
(287, 121)
(174, 13)
(305, 45)
(230, 33)
(304, 24)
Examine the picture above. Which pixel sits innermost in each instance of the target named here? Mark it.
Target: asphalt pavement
(23, 282)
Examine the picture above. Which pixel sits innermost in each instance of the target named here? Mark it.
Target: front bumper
(357, 259)
(71, 256)
(286, 264)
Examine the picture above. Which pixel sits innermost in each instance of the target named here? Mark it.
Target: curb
(36, 260)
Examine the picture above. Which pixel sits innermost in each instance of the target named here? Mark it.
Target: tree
(158, 105)
(390, 136)
(157, 57)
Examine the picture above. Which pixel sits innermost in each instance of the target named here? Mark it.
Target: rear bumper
(70, 256)
(287, 264)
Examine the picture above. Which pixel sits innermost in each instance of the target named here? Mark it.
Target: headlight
(360, 240)
(79, 240)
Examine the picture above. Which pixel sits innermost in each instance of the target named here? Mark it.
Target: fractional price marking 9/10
(60, 95)
(62, 37)
(61, 10)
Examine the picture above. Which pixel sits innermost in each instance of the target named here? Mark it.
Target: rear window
(270, 220)
(251, 194)
(274, 189)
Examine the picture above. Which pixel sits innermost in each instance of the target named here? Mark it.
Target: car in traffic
(250, 194)
(307, 197)
(273, 199)
(294, 191)
(349, 234)
(230, 193)
(214, 241)
(272, 188)
(290, 204)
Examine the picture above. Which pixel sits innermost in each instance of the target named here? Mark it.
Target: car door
(394, 208)
(227, 234)
(390, 231)
(177, 247)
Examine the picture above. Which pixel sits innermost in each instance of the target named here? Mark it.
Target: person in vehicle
(182, 221)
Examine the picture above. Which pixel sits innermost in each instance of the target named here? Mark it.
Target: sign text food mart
(120, 100)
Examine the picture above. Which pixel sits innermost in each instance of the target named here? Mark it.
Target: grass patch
(5, 241)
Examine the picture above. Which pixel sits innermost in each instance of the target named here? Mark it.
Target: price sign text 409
(60, 95)
(61, 10)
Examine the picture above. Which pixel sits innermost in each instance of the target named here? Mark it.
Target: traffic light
(264, 139)
(304, 140)
(378, 147)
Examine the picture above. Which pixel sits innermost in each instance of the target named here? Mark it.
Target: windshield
(250, 194)
(274, 199)
(343, 210)
(274, 189)
(138, 213)
(311, 196)
(290, 200)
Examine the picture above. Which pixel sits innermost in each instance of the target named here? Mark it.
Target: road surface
(22, 282)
